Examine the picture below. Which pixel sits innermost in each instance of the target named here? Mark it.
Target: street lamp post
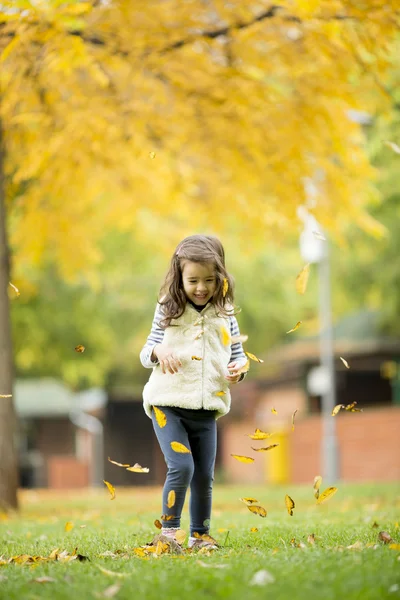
(315, 250)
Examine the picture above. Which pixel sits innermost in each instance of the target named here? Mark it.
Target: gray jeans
(197, 430)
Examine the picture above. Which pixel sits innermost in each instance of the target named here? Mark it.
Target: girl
(193, 361)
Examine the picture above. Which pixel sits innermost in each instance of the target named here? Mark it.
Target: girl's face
(199, 281)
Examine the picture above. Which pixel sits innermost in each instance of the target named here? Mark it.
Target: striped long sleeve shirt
(157, 334)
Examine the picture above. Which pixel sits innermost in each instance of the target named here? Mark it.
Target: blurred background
(128, 126)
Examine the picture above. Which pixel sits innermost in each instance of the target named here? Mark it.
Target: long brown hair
(200, 249)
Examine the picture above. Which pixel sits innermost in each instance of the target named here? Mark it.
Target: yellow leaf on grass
(302, 279)
(295, 327)
(178, 447)
(259, 435)
(254, 529)
(346, 364)
(328, 493)
(112, 573)
(196, 358)
(68, 526)
(117, 463)
(138, 469)
(394, 546)
(290, 505)
(158, 524)
(265, 449)
(171, 499)
(248, 500)
(243, 459)
(336, 409)
(317, 485)
(205, 537)
(293, 416)
(161, 548)
(160, 417)
(225, 335)
(274, 411)
(111, 489)
(225, 287)
(311, 539)
(80, 348)
(254, 357)
(257, 510)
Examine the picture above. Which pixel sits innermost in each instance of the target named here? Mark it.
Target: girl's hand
(233, 369)
(168, 361)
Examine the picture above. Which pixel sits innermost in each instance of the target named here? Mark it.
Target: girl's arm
(155, 337)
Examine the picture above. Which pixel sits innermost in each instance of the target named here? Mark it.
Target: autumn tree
(171, 116)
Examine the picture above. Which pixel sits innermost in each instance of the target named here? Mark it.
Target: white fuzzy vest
(197, 382)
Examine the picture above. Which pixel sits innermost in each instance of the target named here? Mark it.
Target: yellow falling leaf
(293, 416)
(167, 517)
(5, 395)
(221, 393)
(336, 409)
(319, 236)
(274, 411)
(196, 358)
(254, 529)
(158, 524)
(180, 536)
(225, 287)
(265, 449)
(205, 537)
(393, 146)
(317, 485)
(254, 357)
(152, 154)
(117, 463)
(178, 447)
(302, 279)
(328, 493)
(248, 500)
(68, 526)
(239, 338)
(243, 459)
(225, 335)
(259, 435)
(16, 290)
(161, 548)
(351, 407)
(171, 499)
(257, 510)
(111, 489)
(80, 348)
(290, 505)
(161, 417)
(295, 327)
(346, 364)
(138, 469)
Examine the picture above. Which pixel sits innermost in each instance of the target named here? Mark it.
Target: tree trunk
(8, 424)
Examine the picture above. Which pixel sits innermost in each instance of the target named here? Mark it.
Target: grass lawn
(325, 570)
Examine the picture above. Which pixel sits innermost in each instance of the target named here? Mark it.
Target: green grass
(326, 570)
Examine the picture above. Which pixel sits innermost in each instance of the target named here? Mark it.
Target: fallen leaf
(226, 336)
(158, 524)
(265, 449)
(112, 573)
(111, 591)
(302, 279)
(171, 499)
(384, 537)
(293, 416)
(356, 546)
(274, 411)
(180, 536)
(16, 290)
(178, 447)
(248, 500)
(254, 357)
(295, 327)
(161, 417)
(243, 459)
(138, 469)
(44, 579)
(117, 463)
(394, 546)
(79, 348)
(225, 287)
(311, 539)
(257, 510)
(205, 537)
(336, 409)
(290, 505)
(317, 485)
(393, 146)
(254, 530)
(111, 489)
(328, 493)
(167, 517)
(259, 435)
(262, 577)
(346, 364)
(68, 526)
